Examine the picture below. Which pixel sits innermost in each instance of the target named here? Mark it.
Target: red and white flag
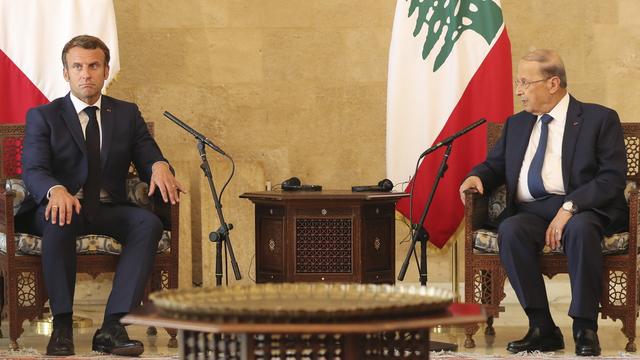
(449, 66)
(32, 35)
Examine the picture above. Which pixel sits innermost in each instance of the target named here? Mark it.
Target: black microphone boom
(453, 137)
(193, 132)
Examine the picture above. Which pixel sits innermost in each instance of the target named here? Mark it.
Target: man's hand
(61, 205)
(472, 182)
(163, 180)
(554, 231)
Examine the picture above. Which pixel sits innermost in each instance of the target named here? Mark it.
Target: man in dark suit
(77, 152)
(564, 165)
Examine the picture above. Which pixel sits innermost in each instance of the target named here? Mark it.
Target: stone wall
(298, 87)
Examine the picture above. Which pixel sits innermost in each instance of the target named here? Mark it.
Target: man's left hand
(163, 180)
(554, 231)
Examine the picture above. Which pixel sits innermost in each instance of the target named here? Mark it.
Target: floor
(36, 335)
(510, 326)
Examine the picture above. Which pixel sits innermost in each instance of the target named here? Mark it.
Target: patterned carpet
(524, 356)
(26, 354)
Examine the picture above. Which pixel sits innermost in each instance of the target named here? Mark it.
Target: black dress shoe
(587, 343)
(61, 341)
(115, 340)
(537, 340)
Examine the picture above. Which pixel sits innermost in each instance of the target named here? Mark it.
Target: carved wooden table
(334, 235)
(406, 338)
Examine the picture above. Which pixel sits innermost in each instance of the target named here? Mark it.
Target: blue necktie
(91, 188)
(534, 178)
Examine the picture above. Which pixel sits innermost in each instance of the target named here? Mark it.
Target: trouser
(137, 230)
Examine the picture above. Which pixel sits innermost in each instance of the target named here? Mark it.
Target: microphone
(453, 137)
(193, 132)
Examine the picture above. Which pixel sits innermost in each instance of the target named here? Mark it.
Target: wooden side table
(335, 236)
(351, 340)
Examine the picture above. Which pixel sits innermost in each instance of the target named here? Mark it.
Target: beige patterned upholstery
(486, 241)
(27, 244)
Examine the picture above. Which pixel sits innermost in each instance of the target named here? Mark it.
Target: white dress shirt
(552, 166)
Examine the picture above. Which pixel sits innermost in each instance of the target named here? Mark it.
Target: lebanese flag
(449, 66)
(32, 35)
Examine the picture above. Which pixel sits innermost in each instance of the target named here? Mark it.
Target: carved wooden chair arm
(169, 215)
(476, 209)
(634, 220)
(6, 219)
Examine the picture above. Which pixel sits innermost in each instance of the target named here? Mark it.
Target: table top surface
(456, 314)
(281, 195)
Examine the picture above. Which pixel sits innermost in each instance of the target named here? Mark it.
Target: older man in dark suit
(564, 166)
(77, 152)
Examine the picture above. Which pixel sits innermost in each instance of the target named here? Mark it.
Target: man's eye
(93, 66)
(77, 66)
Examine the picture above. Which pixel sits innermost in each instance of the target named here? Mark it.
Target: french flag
(32, 35)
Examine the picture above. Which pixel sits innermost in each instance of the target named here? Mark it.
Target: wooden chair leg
(489, 330)
(152, 331)
(469, 331)
(173, 342)
(629, 330)
(2, 297)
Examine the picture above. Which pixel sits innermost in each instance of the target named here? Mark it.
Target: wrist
(159, 164)
(570, 207)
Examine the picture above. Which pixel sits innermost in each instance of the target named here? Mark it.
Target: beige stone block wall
(293, 87)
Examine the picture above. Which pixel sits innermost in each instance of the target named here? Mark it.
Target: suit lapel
(106, 122)
(73, 124)
(571, 131)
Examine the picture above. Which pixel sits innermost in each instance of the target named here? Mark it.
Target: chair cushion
(486, 241)
(27, 244)
(137, 191)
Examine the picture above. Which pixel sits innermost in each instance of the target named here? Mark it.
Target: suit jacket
(55, 152)
(594, 162)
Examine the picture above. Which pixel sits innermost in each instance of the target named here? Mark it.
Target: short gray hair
(550, 64)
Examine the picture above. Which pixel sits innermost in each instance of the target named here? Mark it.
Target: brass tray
(301, 302)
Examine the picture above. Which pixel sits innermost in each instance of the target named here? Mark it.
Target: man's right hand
(61, 206)
(472, 182)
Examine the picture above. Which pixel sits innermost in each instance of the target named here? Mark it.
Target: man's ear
(554, 85)
(106, 72)
(65, 74)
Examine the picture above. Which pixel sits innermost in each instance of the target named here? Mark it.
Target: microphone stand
(419, 233)
(220, 236)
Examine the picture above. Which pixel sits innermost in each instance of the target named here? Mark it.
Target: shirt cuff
(51, 188)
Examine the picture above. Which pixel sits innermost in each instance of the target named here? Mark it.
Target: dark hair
(85, 42)
(550, 64)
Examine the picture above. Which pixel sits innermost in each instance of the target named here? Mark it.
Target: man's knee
(583, 223)
(583, 229)
(510, 230)
(55, 231)
(150, 223)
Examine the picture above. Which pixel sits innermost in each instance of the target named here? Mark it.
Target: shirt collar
(560, 110)
(80, 105)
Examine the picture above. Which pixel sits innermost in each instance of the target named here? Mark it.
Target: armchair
(24, 295)
(485, 277)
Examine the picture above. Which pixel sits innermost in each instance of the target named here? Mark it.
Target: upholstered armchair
(24, 295)
(485, 277)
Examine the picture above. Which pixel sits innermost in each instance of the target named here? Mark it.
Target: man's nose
(85, 73)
